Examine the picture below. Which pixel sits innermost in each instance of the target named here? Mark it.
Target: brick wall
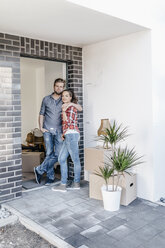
(11, 48)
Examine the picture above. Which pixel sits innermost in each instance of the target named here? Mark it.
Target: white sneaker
(60, 188)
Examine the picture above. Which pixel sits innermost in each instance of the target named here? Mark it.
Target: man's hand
(43, 130)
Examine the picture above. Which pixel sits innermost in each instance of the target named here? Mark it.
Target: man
(51, 125)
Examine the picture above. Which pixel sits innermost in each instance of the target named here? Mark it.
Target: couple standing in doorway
(58, 122)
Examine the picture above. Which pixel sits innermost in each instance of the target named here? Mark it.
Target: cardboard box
(128, 184)
(30, 160)
(95, 157)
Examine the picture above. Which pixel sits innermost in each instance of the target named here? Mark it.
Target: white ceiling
(60, 21)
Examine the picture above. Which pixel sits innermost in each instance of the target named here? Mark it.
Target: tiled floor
(82, 222)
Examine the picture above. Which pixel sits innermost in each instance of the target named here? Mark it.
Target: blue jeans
(70, 146)
(53, 144)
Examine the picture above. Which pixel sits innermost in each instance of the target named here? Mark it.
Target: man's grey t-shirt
(51, 110)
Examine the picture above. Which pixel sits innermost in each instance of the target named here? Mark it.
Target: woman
(71, 136)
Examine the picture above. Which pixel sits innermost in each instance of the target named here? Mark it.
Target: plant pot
(111, 199)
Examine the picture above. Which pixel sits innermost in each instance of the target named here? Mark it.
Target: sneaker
(49, 182)
(60, 187)
(74, 186)
(37, 176)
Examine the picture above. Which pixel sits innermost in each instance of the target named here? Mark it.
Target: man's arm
(77, 106)
(66, 105)
(41, 121)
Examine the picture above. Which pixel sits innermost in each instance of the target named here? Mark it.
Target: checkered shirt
(71, 122)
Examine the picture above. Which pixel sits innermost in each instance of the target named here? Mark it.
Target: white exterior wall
(117, 85)
(148, 14)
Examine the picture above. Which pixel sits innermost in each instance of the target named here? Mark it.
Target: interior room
(37, 79)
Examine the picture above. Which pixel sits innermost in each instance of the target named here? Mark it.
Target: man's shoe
(60, 188)
(74, 186)
(37, 176)
(49, 182)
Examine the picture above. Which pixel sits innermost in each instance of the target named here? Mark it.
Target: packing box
(94, 158)
(30, 160)
(127, 182)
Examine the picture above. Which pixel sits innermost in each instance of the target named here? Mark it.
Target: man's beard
(58, 93)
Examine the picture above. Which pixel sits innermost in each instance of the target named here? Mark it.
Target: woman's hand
(64, 116)
(66, 105)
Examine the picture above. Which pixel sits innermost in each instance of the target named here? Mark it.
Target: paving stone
(60, 223)
(103, 215)
(43, 220)
(60, 214)
(156, 242)
(81, 214)
(68, 231)
(136, 223)
(101, 241)
(147, 232)
(159, 223)
(112, 223)
(97, 209)
(150, 215)
(51, 228)
(58, 207)
(94, 202)
(86, 222)
(129, 241)
(120, 232)
(76, 240)
(94, 231)
(75, 201)
(161, 209)
(83, 246)
(79, 207)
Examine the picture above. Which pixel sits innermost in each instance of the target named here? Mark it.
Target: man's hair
(59, 80)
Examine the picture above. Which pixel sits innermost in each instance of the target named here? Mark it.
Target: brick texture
(11, 48)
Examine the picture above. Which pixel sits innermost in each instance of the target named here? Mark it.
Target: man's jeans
(70, 146)
(53, 143)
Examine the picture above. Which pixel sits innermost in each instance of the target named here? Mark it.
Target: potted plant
(117, 162)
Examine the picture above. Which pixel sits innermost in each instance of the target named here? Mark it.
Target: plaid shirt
(71, 122)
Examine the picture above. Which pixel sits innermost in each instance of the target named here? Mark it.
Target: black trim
(24, 55)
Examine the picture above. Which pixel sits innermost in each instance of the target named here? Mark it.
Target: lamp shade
(104, 124)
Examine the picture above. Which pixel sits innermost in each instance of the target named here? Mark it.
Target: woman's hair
(72, 94)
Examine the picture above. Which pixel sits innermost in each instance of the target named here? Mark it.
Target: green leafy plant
(105, 172)
(113, 135)
(119, 160)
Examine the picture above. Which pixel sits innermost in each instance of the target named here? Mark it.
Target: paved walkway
(83, 223)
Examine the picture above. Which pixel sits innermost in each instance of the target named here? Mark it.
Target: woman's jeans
(53, 143)
(70, 147)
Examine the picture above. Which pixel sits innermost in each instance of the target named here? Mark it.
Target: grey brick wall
(11, 48)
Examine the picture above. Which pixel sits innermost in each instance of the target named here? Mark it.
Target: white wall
(158, 64)
(148, 14)
(53, 70)
(28, 100)
(117, 85)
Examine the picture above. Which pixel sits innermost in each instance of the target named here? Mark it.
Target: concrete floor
(83, 223)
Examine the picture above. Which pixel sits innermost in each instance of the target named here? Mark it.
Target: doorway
(37, 79)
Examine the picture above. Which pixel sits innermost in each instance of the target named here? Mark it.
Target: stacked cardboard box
(30, 160)
(95, 157)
